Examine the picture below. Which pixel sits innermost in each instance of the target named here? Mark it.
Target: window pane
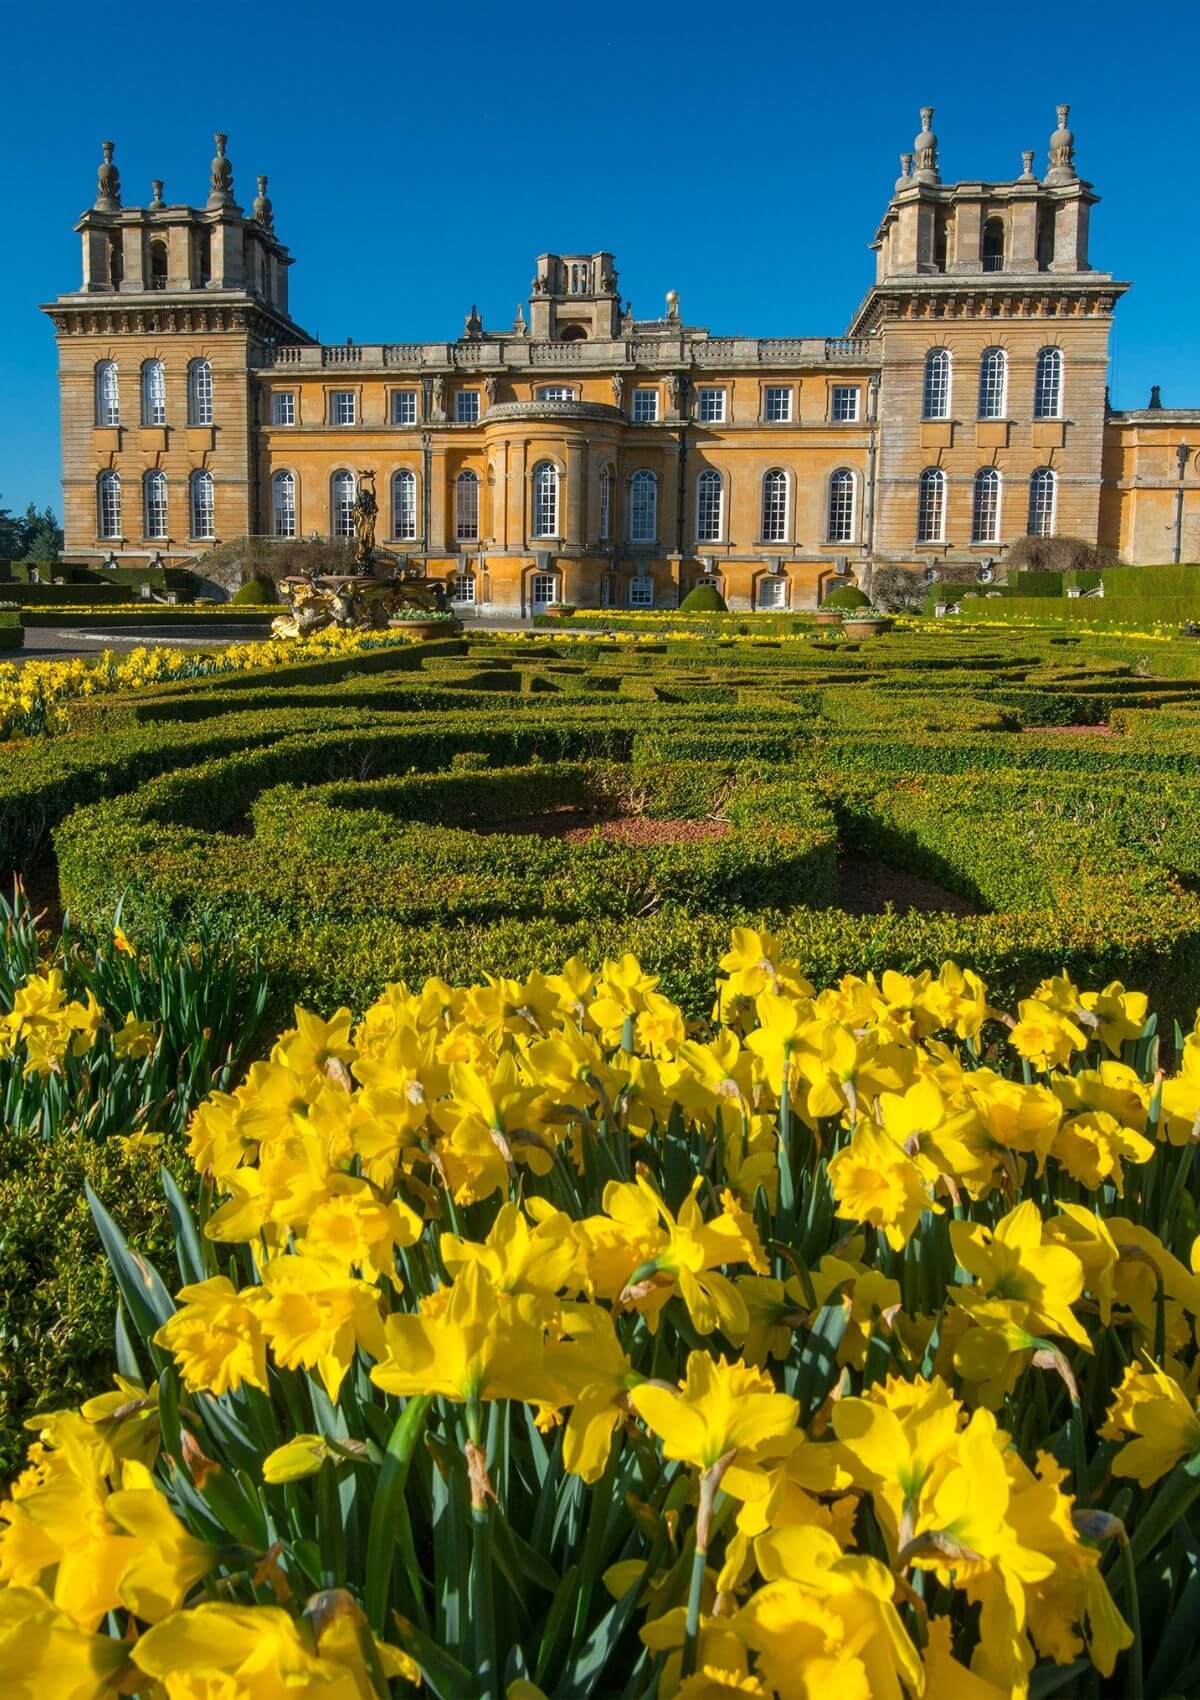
(931, 506)
(466, 407)
(605, 503)
(841, 506)
(777, 403)
(283, 408)
(404, 407)
(1042, 492)
(775, 507)
(544, 589)
(154, 492)
(643, 508)
(466, 506)
(462, 587)
(342, 408)
(645, 406)
(993, 383)
(154, 394)
(1047, 393)
(641, 591)
(200, 393)
(772, 592)
(985, 506)
(341, 504)
(937, 384)
(710, 406)
(109, 504)
(845, 402)
(404, 507)
(108, 397)
(710, 492)
(545, 499)
(202, 504)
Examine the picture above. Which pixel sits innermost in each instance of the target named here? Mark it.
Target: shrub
(847, 596)
(703, 599)
(1058, 555)
(255, 592)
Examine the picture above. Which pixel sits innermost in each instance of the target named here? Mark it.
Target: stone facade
(592, 457)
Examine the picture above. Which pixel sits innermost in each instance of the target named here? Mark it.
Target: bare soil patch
(576, 826)
(867, 886)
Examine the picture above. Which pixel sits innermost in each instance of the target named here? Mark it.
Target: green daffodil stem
(710, 1484)
(483, 1604)
(1133, 1677)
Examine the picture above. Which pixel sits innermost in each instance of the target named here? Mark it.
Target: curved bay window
(466, 506)
(545, 499)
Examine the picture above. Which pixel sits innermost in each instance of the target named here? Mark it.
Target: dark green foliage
(847, 596)
(704, 599)
(255, 591)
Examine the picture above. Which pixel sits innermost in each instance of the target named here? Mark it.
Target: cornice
(1088, 295)
(501, 411)
(151, 314)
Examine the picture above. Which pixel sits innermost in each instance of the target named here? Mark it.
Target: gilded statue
(366, 507)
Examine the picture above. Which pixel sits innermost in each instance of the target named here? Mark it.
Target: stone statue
(627, 320)
(156, 193)
(108, 181)
(439, 397)
(672, 393)
(672, 303)
(366, 507)
(221, 191)
(489, 390)
(264, 213)
(473, 325)
(618, 390)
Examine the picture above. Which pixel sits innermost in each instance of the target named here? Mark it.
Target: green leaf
(818, 1366)
(141, 1285)
(389, 1526)
(189, 1250)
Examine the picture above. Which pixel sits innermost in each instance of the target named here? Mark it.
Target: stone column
(517, 504)
(1023, 251)
(437, 499)
(133, 254)
(179, 257)
(500, 497)
(95, 259)
(576, 495)
(968, 237)
(227, 267)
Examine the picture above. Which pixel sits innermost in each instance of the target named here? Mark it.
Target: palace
(591, 457)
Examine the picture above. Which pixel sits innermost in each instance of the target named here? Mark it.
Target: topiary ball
(256, 592)
(704, 599)
(847, 596)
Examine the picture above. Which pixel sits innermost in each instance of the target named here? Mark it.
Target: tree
(34, 535)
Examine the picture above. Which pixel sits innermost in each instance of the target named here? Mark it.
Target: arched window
(543, 589)
(985, 506)
(1043, 495)
(841, 506)
(108, 505)
(283, 504)
(158, 263)
(772, 591)
(993, 383)
(116, 260)
(606, 483)
(993, 245)
(1047, 384)
(466, 506)
(203, 513)
(937, 384)
(931, 506)
(643, 508)
(775, 506)
(154, 505)
(341, 504)
(154, 393)
(641, 591)
(200, 393)
(203, 256)
(545, 499)
(710, 506)
(108, 393)
(404, 506)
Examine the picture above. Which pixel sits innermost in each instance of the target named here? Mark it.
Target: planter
(426, 628)
(874, 626)
(830, 617)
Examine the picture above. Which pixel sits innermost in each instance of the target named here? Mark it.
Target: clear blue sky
(420, 156)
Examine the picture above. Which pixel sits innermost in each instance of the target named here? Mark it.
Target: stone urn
(827, 617)
(866, 625)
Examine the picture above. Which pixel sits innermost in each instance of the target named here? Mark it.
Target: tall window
(1043, 493)
(993, 383)
(404, 407)
(283, 407)
(775, 506)
(641, 591)
(710, 406)
(466, 407)
(341, 504)
(931, 506)
(1047, 384)
(545, 499)
(404, 506)
(343, 407)
(645, 407)
(841, 506)
(643, 508)
(466, 506)
(200, 393)
(108, 394)
(937, 384)
(154, 504)
(843, 406)
(777, 403)
(710, 506)
(108, 504)
(606, 483)
(772, 591)
(985, 506)
(283, 504)
(203, 513)
(154, 393)
(993, 245)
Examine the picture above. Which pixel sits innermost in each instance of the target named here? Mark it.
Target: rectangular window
(641, 592)
(466, 407)
(844, 403)
(283, 407)
(777, 403)
(710, 406)
(342, 409)
(404, 407)
(555, 392)
(645, 407)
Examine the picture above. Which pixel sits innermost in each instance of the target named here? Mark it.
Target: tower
(575, 298)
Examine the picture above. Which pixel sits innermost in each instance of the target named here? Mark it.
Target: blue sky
(420, 157)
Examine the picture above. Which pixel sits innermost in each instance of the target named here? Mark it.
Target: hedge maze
(500, 803)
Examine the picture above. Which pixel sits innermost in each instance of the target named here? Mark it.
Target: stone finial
(220, 192)
(519, 326)
(672, 303)
(925, 149)
(264, 212)
(1026, 167)
(905, 177)
(473, 324)
(156, 192)
(1155, 402)
(108, 181)
(1062, 151)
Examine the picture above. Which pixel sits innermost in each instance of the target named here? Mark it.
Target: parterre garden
(637, 1267)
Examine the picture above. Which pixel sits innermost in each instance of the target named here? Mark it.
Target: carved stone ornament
(1027, 166)
(1062, 150)
(221, 191)
(672, 303)
(156, 193)
(264, 212)
(925, 149)
(520, 328)
(618, 390)
(108, 181)
(489, 390)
